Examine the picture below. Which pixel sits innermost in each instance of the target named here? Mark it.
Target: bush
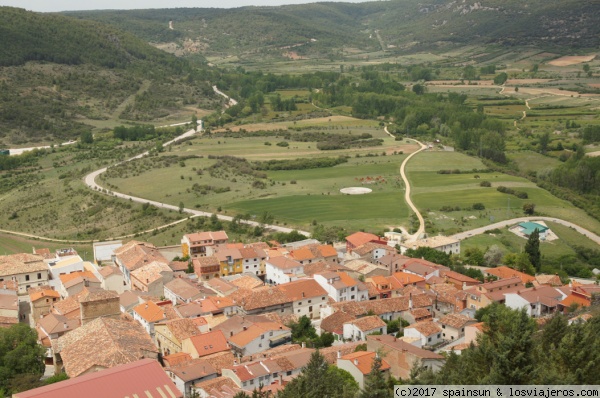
(478, 206)
(485, 184)
(283, 144)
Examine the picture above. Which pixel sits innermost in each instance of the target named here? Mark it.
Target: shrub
(283, 144)
(485, 184)
(478, 206)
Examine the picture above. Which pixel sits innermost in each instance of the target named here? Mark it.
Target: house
(448, 299)
(230, 261)
(482, 295)
(247, 280)
(528, 227)
(259, 337)
(472, 331)
(142, 378)
(358, 329)
(341, 287)
(205, 344)
(307, 297)
(182, 290)
(334, 324)
(64, 265)
(359, 365)
(219, 387)
(440, 243)
(187, 374)
(402, 356)
(408, 279)
(74, 283)
(206, 267)
(220, 286)
(251, 375)
(459, 281)
(197, 244)
(537, 301)
(170, 333)
(128, 300)
(101, 344)
(28, 270)
(151, 277)
(282, 270)
(253, 260)
(504, 272)
(215, 305)
(364, 269)
(358, 239)
(51, 327)
(428, 333)
(579, 296)
(453, 325)
(371, 252)
(385, 286)
(96, 303)
(104, 251)
(148, 314)
(134, 255)
(9, 309)
(111, 278)
(41, 299)
(263, 300)
(393, 262)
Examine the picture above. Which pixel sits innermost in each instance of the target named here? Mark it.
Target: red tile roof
(504, 272)
(360, 238)
(143, 378)
(303, 288)
(210, 343)
(363, 360)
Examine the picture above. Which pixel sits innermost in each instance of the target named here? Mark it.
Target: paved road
(90, 181)
(505, 223)
(232, 102)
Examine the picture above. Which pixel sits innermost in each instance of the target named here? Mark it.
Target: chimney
(339, 354)
(356, 362)
(65, 325)
(303, 344)
(303, 295)
(410, 303)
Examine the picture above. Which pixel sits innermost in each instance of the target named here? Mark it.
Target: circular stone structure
(356, 190)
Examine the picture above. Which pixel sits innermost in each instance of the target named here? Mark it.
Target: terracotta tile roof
(216, 303)
(251, 253)
(334, 323)
(378, 307)
(68, 307)
(303, 288)
(150, 312)
(104, 342)
(220, 360)
(193, 370)
(419, 269)
(45, 253)
(207, 236)
(368, 323)
(9, 285)
(420, 313)
(150, 272)
(457, 321)
(183, 288)
(426, 328)
(144, 378)
(65, 278)
(201, 263)
(504, 272)
(225, 254)
(284, 263)
(360, 238)
(327, 251)
(370, 246)
(421, 300)
(247, 282)
(262, 298)
(190, 310)
(400, 346)
(135, 254)
(515, 280)
(552, 280)
(363, 360)
(220, 285)
(182, 328)
(458, 277)
(330, 353)
(20, 263)
(406, 278)
(108, 270)
(176, 359)
(7, 321)
(576, 299)
(363, 267)
(322, 266)
(128, 298)
(209, 343)
(302, 254)
(42, 292)
(259, 245)
(217, 385)
(53, 323)
(253, 332)
(546, 295)
(89, 294)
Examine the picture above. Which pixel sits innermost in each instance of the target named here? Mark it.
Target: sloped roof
(302, 288)
(209, 343)
(334, 323)
(363, 360)
(368, 323)
(104, 342)
(183, 288)
(143, 378)
(456, 321)
(360, 238)
(284, 262)
(42, 292)
(150, 312)
(459, 277)
(150, 272)
(504, 272)
(426, 328)
(193, 370)
(20, 263)
(401, 346)
(182, 328)
(135, 254)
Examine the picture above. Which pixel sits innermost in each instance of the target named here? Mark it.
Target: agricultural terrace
(264, 175)
(448, 200)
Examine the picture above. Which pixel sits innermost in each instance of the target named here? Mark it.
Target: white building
(27, 270)
(444, 244)
(428, 332)
(307, 297)
(341, 287)
(283, 270)
(359, 329)
(536, 301)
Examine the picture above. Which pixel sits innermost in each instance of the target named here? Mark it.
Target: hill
(322, 29)
(62, 75)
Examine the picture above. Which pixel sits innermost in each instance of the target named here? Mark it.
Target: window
(26, 277)
(444, 334)
(298, 310)
(300, 303)
(260, 345)
(443, 326)
(262, 336)
(439, 335)
(429, 339)
(39, 275)
(245, 383)
(309, 301)
(352, 298)
(252, 382)
(289, 373)
(352, 289)
(270, 333)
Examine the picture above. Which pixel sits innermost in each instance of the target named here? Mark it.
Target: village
(211, 318)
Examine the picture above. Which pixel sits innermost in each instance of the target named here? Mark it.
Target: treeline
(138, 132)
(300, 164)
(511, 351)
(590, 134)
(27, 159)
(580, 173)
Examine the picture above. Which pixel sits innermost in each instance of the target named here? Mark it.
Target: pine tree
(375, 384)
(532, 248)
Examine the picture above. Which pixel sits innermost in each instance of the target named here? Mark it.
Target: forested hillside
(61, 76)
(401, 24)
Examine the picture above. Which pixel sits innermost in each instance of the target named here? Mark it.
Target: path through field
(143, 88)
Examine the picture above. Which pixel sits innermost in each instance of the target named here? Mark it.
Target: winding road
(90, 181)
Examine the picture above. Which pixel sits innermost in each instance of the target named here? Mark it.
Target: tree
(21, 358)
(493, 256)
(586, 67)
(418, 89)
(500, 79)
(532, 248)
(474, 256)
(544, 141)
(429, 254)
(469, 73)
(86, 137)
(375, 384)
(529, 208)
